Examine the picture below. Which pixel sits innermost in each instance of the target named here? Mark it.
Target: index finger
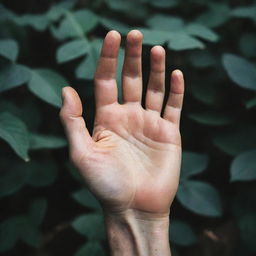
(105, 75)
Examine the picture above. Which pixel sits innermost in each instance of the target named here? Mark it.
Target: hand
(132, 161)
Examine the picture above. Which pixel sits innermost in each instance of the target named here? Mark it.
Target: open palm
(132, 160)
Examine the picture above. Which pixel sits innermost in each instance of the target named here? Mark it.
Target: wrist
(136, 233)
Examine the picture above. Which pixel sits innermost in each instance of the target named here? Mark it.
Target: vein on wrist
(135, 233)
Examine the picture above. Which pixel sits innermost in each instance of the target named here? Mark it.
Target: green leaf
(18, 227)
(216, 16)
(12, 181)
(47, 85)
(28, 112)
(247, 225)
(55, 13)
(75, 24)
(182, 41)
(201, 31)
(181, 233)
(176, 40)
(29, 233)
(132, 9)
(85, 198)
(120, 5)
(42, 141)
(86, 19)
(9, 49)
(37, 21)
(57, 10)
(153, 37)
(163, 3)
(243, 167)
(165, 22)
(237, 139)
(41, 173)
(92, 248)
(193, 163)
(58, 33)
(200, 198)
(240, 71)
(5, 13)
(13, 75)
(37, 211)
(15, 133)
(87, 68)
(89, 225)
(72, 50)
(211, 117)
(68, 28)
(112, 24)
(245, 12)
(175, 24)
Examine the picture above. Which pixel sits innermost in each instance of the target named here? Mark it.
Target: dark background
(45, 45)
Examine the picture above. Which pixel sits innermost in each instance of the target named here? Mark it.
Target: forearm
(135, 234)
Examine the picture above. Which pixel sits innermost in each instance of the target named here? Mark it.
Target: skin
(132, 160)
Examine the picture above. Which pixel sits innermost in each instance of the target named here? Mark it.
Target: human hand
(132, 161)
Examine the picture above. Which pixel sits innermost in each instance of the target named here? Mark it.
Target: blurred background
(45, 209)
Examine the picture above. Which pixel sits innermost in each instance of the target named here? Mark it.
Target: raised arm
(132, 161)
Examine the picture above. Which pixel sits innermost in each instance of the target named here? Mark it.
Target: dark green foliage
(92, 248)
(240, 71)
(23, 227)
(46, 45)
(200, 198)
(181, 233)
(15, 133)
(89, 225)
(243, 167)
(85, 198)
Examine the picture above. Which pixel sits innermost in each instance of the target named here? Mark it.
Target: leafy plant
(44, 47)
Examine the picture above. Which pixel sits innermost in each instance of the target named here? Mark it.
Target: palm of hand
(141, 159)
(134, 155)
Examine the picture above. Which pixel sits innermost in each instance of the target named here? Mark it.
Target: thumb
(79, 139)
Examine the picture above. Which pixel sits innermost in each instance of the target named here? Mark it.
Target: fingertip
(64, 91)
(158, 49)
(177, 73)
(113, 34)
(68, 91)
(157, 59)
(71, 102)
(71, 117)
(64, 95)
(135, 33)
(157, 53)
(134, 36)
(177, 81)
(111, 44)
